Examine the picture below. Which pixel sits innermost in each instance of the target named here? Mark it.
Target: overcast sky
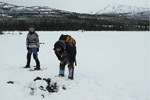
(77, 5)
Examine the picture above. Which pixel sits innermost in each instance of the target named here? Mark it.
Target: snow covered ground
(111, 66)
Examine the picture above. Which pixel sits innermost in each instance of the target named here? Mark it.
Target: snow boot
(37, 68)
(37, 65)
(61, 69)
(61, 73)
(71, 71)
(26, 66)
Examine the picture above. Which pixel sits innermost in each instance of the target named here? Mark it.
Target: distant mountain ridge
(109, 9)
(123, 9)
(7, 6)
(9, 9)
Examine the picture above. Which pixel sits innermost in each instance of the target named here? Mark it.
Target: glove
(37, 49)
(27, 48)
(60, 58)
(62, 62)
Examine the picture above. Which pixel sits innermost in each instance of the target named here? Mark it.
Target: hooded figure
(32, 44)
(66, 54)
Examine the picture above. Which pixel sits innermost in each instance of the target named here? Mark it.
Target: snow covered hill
(10, 10)
(111, 66)
(11, 7)
(123, 9)
(114, 9)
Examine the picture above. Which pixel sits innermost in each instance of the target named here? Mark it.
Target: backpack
(68, 38)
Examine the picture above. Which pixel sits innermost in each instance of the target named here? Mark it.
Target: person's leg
(62, 66)
(35, 56)
(62, 69)
(71, 71)
(28, 58)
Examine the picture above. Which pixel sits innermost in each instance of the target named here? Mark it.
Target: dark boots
(37, 65)
(62, 70)
(29, 60)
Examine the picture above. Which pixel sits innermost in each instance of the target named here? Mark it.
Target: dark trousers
(35, 56)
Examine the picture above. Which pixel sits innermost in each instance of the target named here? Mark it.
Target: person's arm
(27, 43)
(58, 56)
(37, 40)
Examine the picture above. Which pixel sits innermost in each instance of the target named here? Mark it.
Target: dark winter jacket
(71, 52)
(32, 40)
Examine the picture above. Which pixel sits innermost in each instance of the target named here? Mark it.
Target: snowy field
(110, 66)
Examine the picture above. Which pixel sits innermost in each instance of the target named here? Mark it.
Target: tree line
(73, 24)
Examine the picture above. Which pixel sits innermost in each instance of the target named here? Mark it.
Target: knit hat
(58, 47)
(31, 26)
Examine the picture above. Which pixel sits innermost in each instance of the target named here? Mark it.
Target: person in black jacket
(66, 53)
